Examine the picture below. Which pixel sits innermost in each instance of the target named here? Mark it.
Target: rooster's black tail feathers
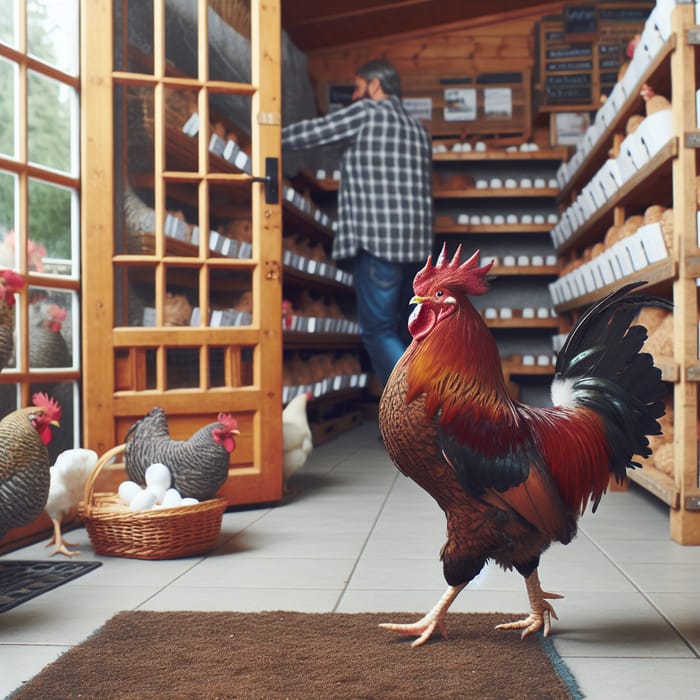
(601, 359)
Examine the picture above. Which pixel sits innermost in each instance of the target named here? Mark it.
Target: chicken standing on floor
(69, 475)
(512, 478)
(24, 461)
(199, 465)
(297, 441)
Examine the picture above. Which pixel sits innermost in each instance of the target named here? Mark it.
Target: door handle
(271, 181)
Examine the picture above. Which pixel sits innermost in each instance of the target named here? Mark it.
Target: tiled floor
(360, 537)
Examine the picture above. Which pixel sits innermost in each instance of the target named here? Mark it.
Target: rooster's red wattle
(513, 478)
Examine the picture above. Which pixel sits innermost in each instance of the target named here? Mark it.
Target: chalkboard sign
(627, 15)
(581, 49)
(580, 19)
(570, 51)
(569, 95)
(571, 79)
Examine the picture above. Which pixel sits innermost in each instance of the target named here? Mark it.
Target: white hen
(296, 435)
(68, 478)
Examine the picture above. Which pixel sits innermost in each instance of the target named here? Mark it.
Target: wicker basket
(167, 533)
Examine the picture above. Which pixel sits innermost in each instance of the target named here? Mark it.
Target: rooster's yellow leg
(435, 619)
(541, 612)
(61, 543)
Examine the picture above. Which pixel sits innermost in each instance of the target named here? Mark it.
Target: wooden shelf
(660, 273)
(520, 270)
(657, 483)
(658, 74)
(299, 219)
(297, 340)
(496, 192)
(527, 370)
(522, 323)
(554, 154)
(304, 279)
(652, 184)
(494, 229)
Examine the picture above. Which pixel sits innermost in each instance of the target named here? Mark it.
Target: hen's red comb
(228, 421)
(466, 275)
(12, 280)
(50, 405)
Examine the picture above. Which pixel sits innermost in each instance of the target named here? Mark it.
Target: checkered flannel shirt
(385, 195)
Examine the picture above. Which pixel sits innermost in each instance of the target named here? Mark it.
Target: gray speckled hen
(24, 461)
(199, 465)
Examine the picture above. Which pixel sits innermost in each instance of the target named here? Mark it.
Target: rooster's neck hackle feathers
(458, 368)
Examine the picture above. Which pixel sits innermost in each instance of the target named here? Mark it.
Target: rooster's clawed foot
(541, 611)
(434, 620)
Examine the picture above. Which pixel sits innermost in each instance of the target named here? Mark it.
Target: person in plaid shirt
(385, 204)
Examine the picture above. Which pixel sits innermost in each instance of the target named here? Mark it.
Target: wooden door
(181, 246)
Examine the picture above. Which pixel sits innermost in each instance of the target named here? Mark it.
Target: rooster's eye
(439, 293)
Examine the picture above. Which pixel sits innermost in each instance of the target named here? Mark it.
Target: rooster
(512, 478)
(297, 440)
(199, 465)
(69, 474)
(24, 461)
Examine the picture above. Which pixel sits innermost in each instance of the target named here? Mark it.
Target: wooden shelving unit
(667, 179)
(503, 163)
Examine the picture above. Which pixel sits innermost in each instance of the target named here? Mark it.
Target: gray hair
(386, 74)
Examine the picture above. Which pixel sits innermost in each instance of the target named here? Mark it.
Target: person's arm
(334, 127)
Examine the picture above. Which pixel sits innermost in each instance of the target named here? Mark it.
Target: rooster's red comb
(50, 405)
(465, 275)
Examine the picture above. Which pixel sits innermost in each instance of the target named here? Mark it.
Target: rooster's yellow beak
(417, 300)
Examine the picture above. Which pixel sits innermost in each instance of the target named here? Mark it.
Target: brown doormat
(22, 580)
(291, 655)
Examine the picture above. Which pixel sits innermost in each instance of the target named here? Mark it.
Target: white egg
(189, 501)
(159, 475)
(145, 500)
(158, 491)
(127, 490)
(171, 499)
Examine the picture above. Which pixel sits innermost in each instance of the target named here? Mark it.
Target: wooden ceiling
(319, 24)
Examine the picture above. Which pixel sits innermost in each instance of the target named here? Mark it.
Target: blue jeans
(383, 291)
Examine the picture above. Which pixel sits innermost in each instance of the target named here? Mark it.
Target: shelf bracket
(271, 180)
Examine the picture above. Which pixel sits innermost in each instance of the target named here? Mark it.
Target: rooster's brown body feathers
(512, 478)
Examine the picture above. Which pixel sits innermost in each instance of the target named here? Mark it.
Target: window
(39, 206)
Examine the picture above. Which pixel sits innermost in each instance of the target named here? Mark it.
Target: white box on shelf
(586, 272)
(636, 251)
(651, 40)
(618, 96)
(655, 131)
(231, 150)
(191, 126)
(610, 177)
(615, 254)
(653, 242)
(217, 145)
(606, 268)
(662, 17)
